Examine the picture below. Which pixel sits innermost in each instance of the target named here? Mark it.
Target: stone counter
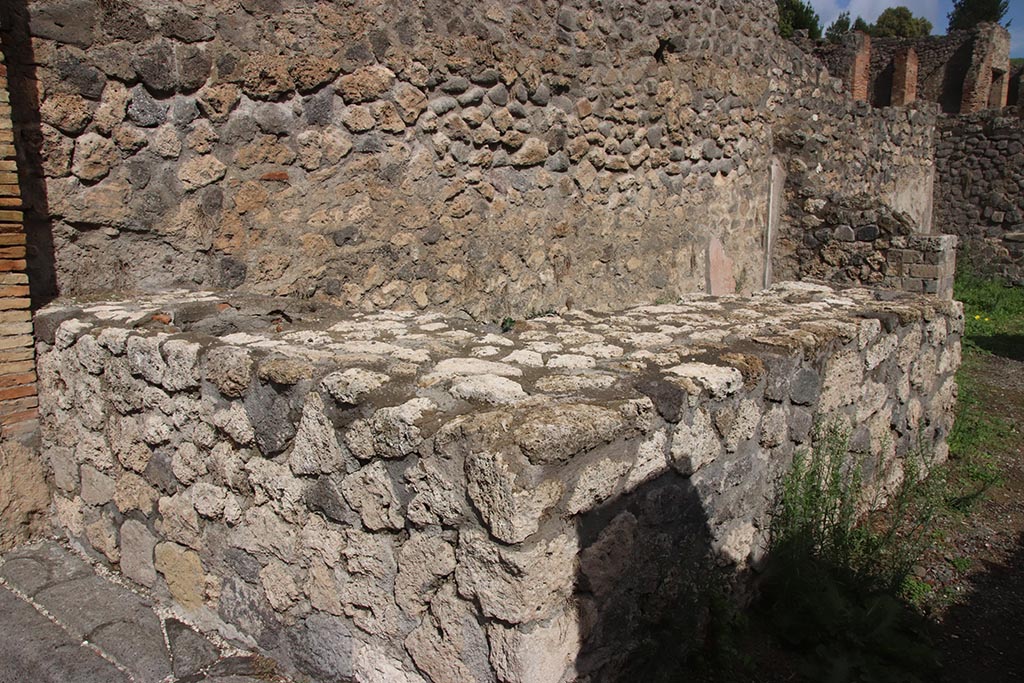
(415, 497)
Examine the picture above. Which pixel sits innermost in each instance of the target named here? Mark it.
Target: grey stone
(145, 111)
(66, 21)
(138, 645)
(79, 76)
(323, 646)
(541, 95)
(246, 607)
(32, 648)
(557, 162)
(272, 414)
(194, 66)
(156, 65)
(273, 118)
(190, 651)
(319, 108)
(844, 233)
(137, 545)
(804, 387)
(84, 604)
(454, 86)
(31, 568)
(498, 94)
(442, 105)
(324, 495)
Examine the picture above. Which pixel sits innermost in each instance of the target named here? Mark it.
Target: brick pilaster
(18, 402)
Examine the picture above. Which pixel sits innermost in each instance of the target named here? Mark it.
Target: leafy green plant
(915, 591)
(835, 579)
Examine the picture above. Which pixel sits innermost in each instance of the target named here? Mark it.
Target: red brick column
(18, 402)
(904, 77)
(860, 73)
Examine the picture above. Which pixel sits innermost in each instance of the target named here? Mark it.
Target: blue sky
(934, 11)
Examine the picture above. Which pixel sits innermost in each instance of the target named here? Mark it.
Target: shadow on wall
(28, 141)
(644, 583)
(953, 78)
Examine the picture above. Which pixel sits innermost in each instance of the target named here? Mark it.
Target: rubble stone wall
(497, 159)
(847, 151)
(980, 193)
(492, 157)
(860, 243)
(413, 497)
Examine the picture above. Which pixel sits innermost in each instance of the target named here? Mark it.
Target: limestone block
(316, 448)
(144, 357)
(486, 388)
(516, 585)
(97, 488)
(450, 645)
(279, 585)
(695, 445)
(182, 365)
(424, 561)
(350, 385)
(540, 653)
(370, 664)
(596, 483)
(511, 506)
(370, 491)
(178, 519)
(391, 432)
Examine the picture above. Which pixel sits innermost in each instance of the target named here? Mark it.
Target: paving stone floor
(62, 622)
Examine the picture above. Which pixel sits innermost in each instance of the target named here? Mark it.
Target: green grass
(994, 323)
(993, 315)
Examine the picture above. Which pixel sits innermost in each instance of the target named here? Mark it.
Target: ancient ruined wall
(847, 150)
(980, 168)
(502, 158)
(859, 242)
(409, 497)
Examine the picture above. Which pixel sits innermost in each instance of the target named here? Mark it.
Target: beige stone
(371, 493)
(94, 157)
(201, 171)
(366, 84)
(183, 572)
(516, 585)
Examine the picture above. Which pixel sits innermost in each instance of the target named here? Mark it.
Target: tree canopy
(795, 15)
(970, 13)
(838, 28)
(897, 22)
(900, 22)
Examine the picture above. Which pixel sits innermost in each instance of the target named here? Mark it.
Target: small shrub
(834, 582)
